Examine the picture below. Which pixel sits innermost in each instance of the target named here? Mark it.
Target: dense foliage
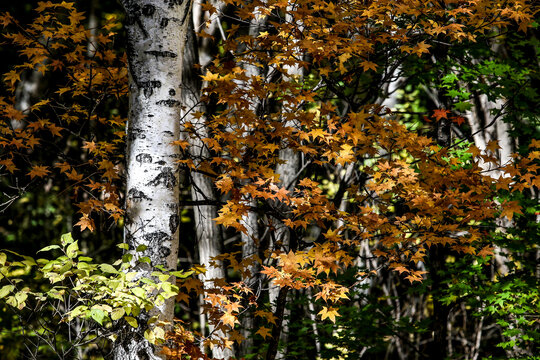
(373, 165)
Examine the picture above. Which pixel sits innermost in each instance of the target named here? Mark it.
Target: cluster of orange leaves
(446, 198)
(88, 73)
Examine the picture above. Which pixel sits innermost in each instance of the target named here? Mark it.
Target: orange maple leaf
(86, 223)
(264, 332)
(39, 171)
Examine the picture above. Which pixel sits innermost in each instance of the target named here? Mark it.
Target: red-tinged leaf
(486, 251)
(439, 114)
(39, 171)
(458, 120)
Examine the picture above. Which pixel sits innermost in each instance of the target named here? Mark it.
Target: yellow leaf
(329, 313)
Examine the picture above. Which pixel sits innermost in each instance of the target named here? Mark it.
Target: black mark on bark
(159, 243)
(137, 195)
(168, 102)
(170, 133)
(161, 53)
(141, 354)
(163, 23)
(186, 12)
(149, 86)
(156, 237)
(133, 12)
(171, 3)
(166, 178)
(174, 221)
(148, 10)
(136, 134)
(144, 158)
(161, 162)
(172, 92)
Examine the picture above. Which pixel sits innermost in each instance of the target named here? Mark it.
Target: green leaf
(49, 248)
(182, 274)
(132, 321)
(140, 292)
(123, 246)
(3, 258)
(98, 315)
(107, 268)
(72, 250)
(66, 239)
(141, 248)
(117, 313)
(5, 290)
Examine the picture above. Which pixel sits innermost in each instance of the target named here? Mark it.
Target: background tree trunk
(202, 188)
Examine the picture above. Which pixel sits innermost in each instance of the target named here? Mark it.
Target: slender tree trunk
(202, 188)
(156, 32)
(250, 239)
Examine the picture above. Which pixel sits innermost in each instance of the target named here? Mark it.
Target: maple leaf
(264, 332)
(13, 76)
(509, 208)
(6, 19)
(439, 114)
(86, 223)
(368, 65)
(229, 319)
(268, 315)
(486, 251)
(55, 130)
(474, 151)
(328, 313)
(210, 77)
(421, 48)
(458, 119)
(39, 171)
(10, 166)
(225, 184)
(492, 146)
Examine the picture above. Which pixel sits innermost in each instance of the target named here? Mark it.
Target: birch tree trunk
(156, 32)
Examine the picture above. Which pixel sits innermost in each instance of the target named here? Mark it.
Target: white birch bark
(156, 32)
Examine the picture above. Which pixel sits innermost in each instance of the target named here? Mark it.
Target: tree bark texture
(156, 32)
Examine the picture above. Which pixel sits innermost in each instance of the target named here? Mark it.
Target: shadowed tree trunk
(202, 187)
